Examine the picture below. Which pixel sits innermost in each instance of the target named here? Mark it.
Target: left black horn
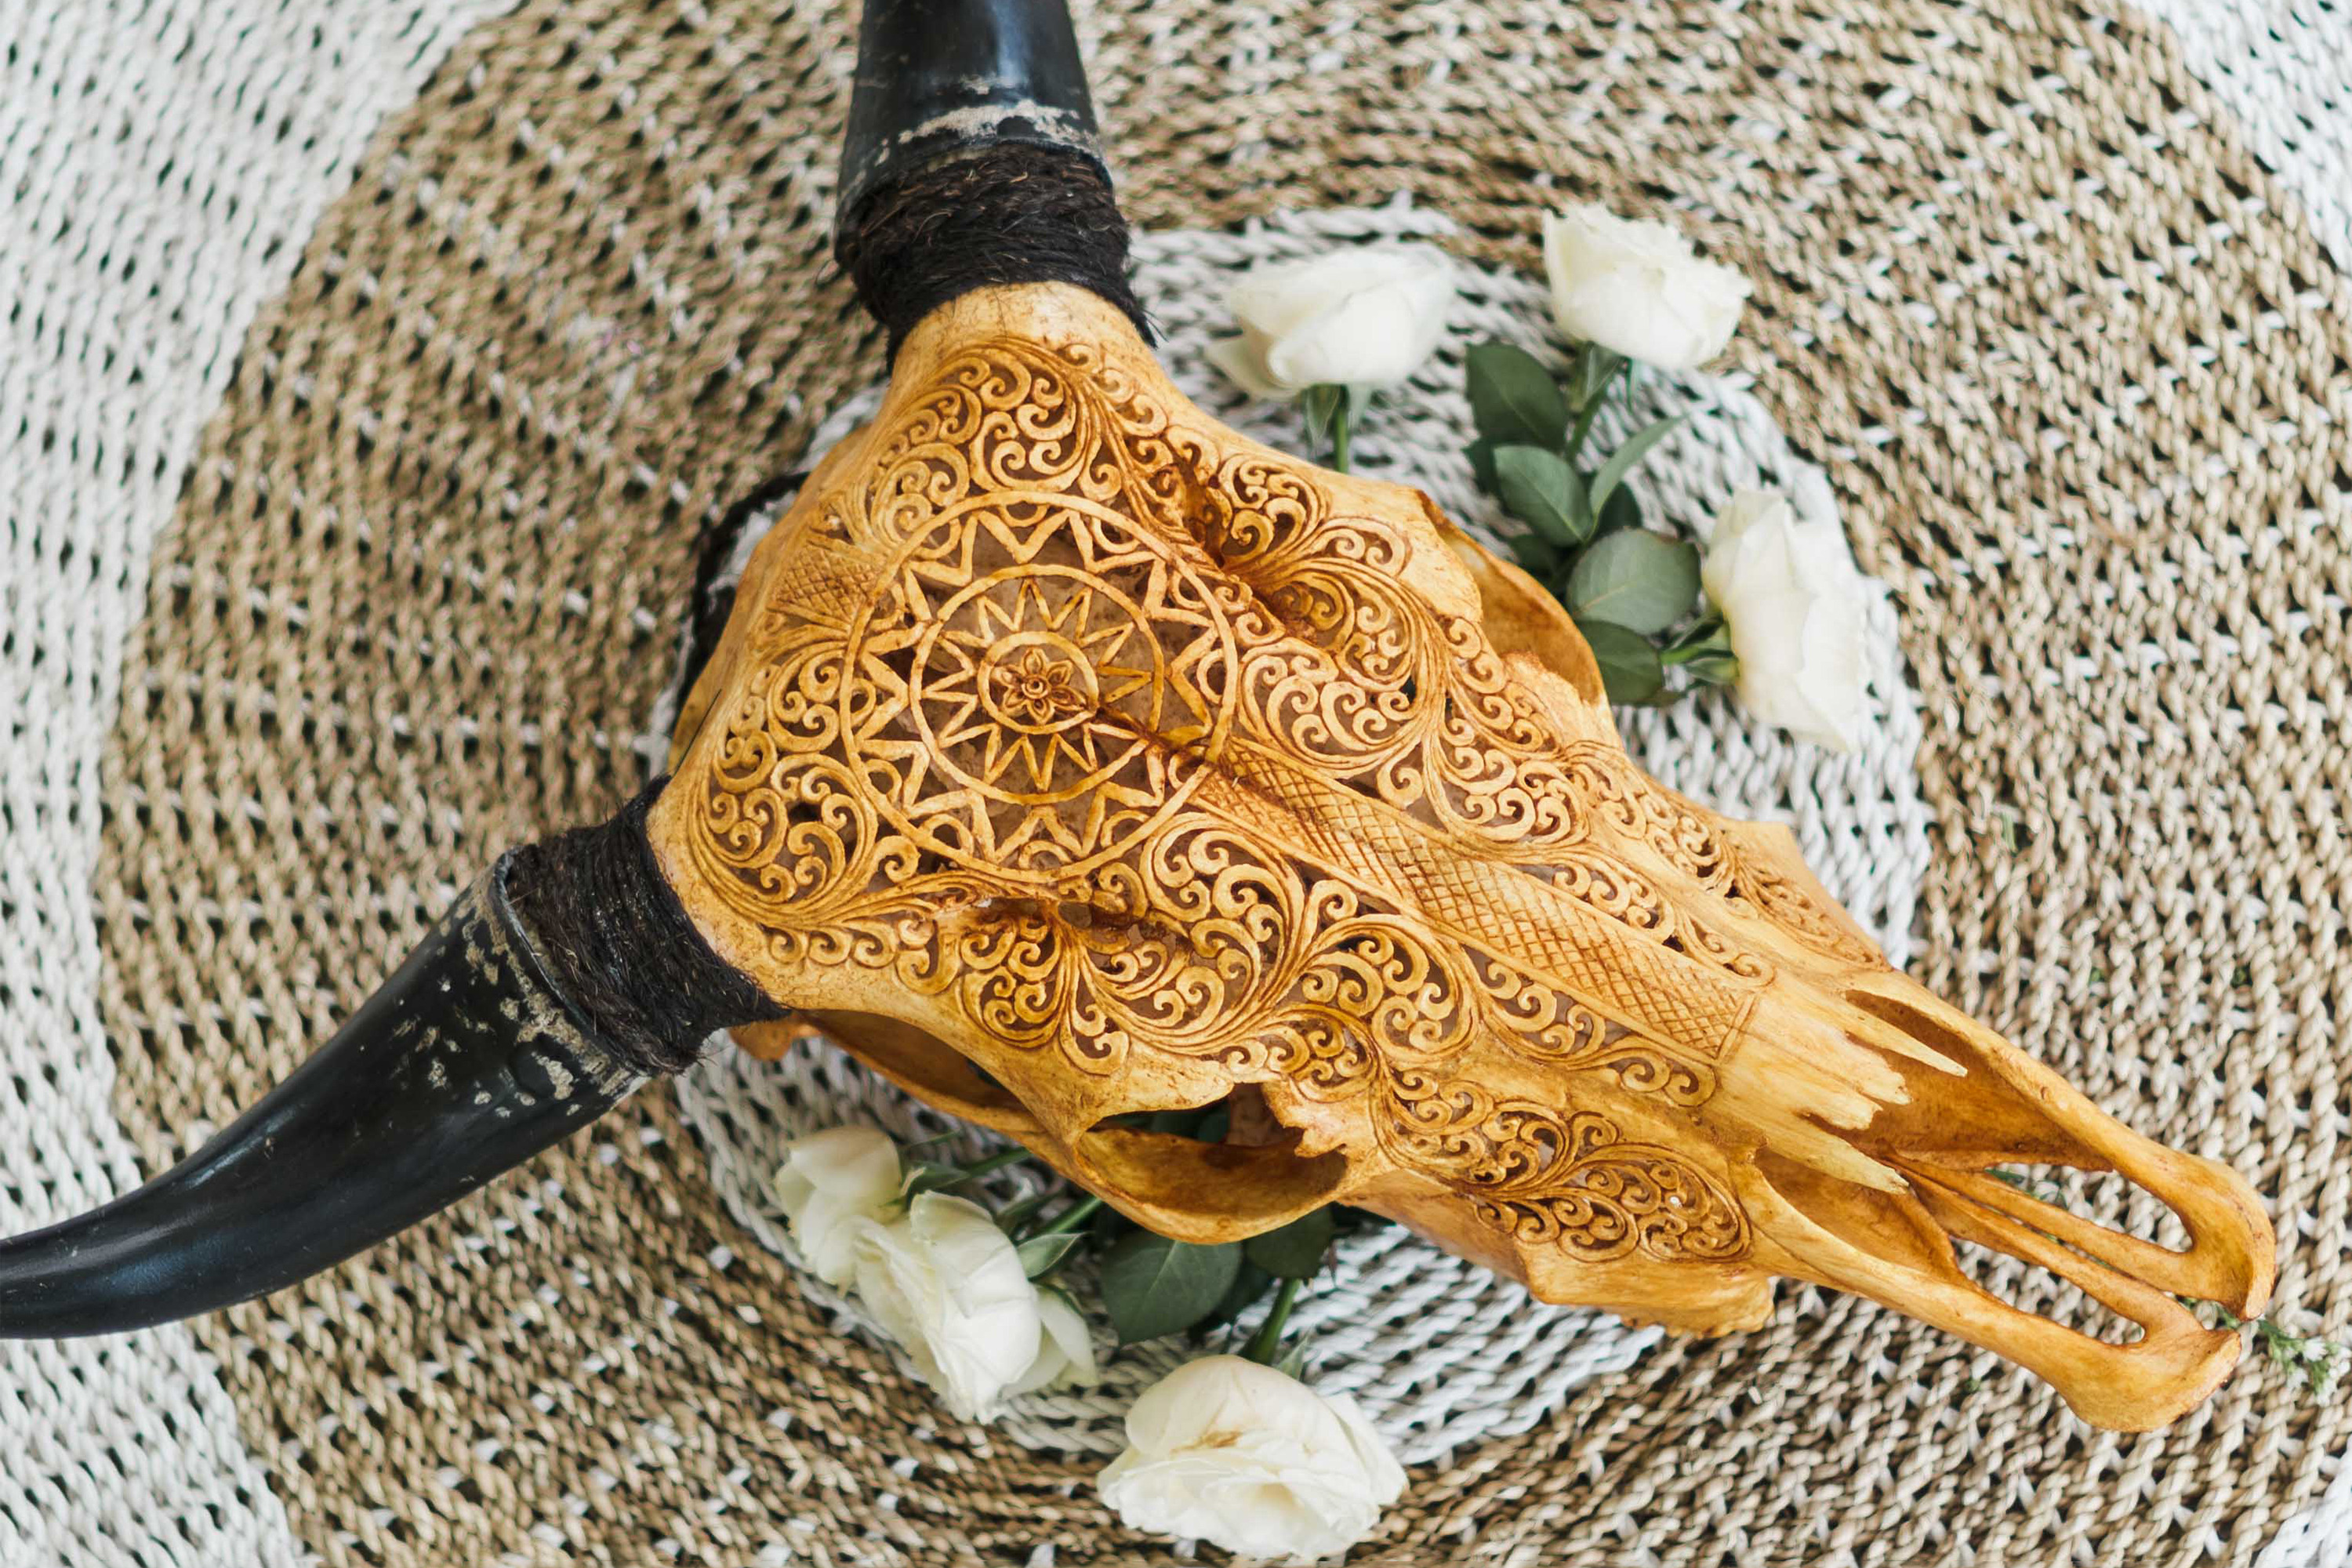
(558, 982)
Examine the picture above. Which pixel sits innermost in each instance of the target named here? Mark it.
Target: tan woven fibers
(2075, 363)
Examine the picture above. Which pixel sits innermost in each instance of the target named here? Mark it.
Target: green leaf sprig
(1631, 591)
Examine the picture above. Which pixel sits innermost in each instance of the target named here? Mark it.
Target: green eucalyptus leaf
(1296, 1251)
(1539, 555)
(1481, 454)
(1643, 581)
(1622, 511)
(1543, 491)
(1512, 397)
(1153, 1285)
(1250, 1283)
(1627, 458)
(1041, 1254)
(1628, 660)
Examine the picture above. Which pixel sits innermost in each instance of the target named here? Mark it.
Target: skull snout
(1946, 1137)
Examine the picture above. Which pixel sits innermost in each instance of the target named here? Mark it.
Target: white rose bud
(1636, 288)
(947, 1284)
(1363, 317)
(1253, 1460)
(1795, 604)
(830, 1185)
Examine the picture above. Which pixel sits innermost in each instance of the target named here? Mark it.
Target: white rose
(1363, 317)
(945, 1283)
(829, 1186)
(1795, 604)
(1636, 288)
(1066, 1354)
(1253, 1460)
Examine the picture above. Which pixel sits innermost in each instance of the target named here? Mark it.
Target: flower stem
(1070, 1218)
(1342, 432)
(1267, 1342)
(1591, 410)
(996, 1161)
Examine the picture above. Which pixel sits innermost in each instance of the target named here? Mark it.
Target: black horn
(971, 160)
(557, 984)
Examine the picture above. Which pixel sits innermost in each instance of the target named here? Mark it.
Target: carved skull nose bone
(1067, 755)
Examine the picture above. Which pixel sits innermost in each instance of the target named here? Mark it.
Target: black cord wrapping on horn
(1014, 211)
(618, 948)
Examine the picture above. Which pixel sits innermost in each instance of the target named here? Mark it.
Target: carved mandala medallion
(1322, 839)
(1038, 688)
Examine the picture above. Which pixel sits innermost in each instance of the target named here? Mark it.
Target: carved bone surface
(1069, 756)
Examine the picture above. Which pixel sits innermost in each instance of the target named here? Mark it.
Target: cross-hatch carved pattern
(1122, 745)
(1583, 944)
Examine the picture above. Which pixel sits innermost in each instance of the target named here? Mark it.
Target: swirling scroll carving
(1122, 746)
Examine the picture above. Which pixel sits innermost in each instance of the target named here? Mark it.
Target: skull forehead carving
(1070, 756)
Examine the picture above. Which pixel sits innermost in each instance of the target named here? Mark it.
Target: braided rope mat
(2076, 368)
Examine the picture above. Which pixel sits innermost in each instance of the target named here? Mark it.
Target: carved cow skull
(1068, 756)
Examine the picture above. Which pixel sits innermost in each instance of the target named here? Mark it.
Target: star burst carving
(1038, 687)
(1033, 713)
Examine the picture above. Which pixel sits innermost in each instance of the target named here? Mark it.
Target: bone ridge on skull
(1072, 756)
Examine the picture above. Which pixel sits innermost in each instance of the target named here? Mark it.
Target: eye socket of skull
(1254, 1181)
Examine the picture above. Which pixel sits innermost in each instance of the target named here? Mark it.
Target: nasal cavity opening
(2033, 1289)
(1979, 1122)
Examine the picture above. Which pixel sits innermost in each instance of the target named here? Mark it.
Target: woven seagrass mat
(2073, 361)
